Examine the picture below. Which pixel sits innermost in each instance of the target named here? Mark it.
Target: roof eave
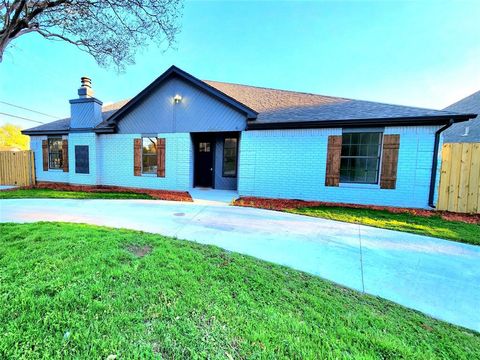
(105, 130)
(400, 121)
(45, 132)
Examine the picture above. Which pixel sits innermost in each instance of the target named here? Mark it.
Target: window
(230, 157)
(82, 165)
(149, 155)
(204, 147)
(360, 157)
(55, 160)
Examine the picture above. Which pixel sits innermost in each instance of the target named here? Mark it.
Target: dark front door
(204, 150)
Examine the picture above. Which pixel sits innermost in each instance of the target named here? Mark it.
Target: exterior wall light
(177, 98)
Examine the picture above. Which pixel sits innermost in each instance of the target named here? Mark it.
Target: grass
(60, 194)
(80, 291)
(431, 226)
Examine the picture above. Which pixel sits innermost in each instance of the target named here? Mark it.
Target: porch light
(177, 98)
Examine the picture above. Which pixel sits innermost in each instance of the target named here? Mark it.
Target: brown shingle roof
(284, 107)
(281, 106)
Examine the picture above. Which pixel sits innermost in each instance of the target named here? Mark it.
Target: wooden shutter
(137, 157)
(45, 154)
(65, 155)
(160, 157)
(388, 177)
(334, 151)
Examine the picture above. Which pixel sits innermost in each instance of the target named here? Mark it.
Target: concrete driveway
(438, 277)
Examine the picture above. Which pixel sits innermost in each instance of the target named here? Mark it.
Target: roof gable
(173, 71)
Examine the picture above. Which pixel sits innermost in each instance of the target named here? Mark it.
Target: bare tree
(109, 30)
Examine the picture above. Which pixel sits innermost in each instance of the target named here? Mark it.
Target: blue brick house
(181, 132)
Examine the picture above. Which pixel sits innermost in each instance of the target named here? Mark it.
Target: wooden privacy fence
(17, 168)
(459, 188)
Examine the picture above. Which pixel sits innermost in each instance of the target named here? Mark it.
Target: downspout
(433, 176)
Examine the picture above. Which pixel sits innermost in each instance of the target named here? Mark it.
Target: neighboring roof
(282, 108)
(267, 108)
(468, 131)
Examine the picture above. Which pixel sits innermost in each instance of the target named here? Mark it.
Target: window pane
(149, 164)
(149, 155)
(360, 157)
(149, 146)
(204, 147)
(230, 157)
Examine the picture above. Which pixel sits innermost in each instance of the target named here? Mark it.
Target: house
(181, 132)
(468, 131)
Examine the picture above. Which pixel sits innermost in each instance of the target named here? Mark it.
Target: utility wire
(24, 108)
(23, 118)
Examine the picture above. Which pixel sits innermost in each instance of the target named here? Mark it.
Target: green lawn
(431, 226)
(59, 194)
(80, 291)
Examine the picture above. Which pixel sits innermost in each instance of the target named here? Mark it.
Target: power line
(24, 108)
(23, 118)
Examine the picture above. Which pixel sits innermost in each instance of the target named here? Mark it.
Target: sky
(423, 53)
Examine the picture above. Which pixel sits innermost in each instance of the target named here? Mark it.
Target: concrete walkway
(440, 278)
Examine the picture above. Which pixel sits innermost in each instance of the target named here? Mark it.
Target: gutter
(433, 176)
(399, 121)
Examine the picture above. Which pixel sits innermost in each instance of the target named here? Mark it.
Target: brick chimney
(86, 111)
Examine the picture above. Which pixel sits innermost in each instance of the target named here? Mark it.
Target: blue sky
(424, 53)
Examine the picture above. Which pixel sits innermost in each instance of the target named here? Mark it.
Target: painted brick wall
(50, 175)
(292, 163)
(115, 162)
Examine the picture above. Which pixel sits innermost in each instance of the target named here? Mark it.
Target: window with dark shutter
(82, 163)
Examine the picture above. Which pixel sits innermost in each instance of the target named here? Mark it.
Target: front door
(204, 150)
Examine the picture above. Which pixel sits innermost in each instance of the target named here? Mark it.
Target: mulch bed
(285, 204)
(157, 194)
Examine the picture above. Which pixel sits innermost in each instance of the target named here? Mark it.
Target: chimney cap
(86, 81)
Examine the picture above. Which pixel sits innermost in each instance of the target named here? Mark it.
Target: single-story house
(181, 132)
(467, 131)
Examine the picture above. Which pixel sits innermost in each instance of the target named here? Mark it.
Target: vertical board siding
(45, 155)
(137, 157)
(459, 188)
(161, 157)
(17, 168)
(196, 112)
(65, 155)
(334, 152)
(391, 145)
